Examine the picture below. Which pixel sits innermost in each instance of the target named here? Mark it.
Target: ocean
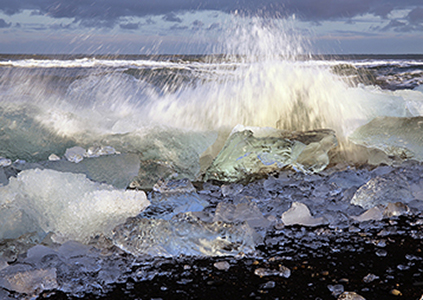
(113, 164)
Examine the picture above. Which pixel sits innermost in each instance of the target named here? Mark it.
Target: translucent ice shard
(400, 137)
(383, 211)
(184, 234)
(246, 211)
(69, 204)
(28, 282)
(381, 190)
(300, 214)
(172, 197)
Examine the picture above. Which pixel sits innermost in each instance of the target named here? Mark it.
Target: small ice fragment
(282, 272)
(268, 285)
(53, 157)
(350, 296)
(99, 151)
(222, 265)
(5, 162)
(75, 154)
(336, 289)
(370, 277)
(262, 272)
(300, 214)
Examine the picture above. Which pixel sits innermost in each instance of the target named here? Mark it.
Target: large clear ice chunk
(184, 234)
(254, 152)
(400, 137)
(179, 149)
(69, 204)
(381, 190)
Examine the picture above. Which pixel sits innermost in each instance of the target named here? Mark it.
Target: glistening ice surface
(109, 163)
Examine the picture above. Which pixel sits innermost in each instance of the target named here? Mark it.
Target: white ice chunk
(222, 265)
(300, 214)
(71, 205)
(53, 157)
(374, 213)
(75, 154)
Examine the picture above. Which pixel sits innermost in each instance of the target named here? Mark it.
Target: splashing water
(262, 80)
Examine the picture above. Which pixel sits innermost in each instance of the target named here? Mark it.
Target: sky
(210, 26)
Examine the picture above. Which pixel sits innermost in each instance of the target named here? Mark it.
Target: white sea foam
(88, 63)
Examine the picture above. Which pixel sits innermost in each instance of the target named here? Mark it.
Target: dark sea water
(132, 176)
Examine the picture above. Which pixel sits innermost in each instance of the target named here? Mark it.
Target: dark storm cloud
(4, 24)
(130, 26)
(171, 17)
(416, 15)
(106, 13)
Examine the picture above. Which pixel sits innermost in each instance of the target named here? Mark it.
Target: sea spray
(265, 78)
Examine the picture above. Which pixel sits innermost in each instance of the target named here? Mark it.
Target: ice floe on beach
(67, 204)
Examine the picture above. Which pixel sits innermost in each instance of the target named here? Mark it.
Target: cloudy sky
(195, 26)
